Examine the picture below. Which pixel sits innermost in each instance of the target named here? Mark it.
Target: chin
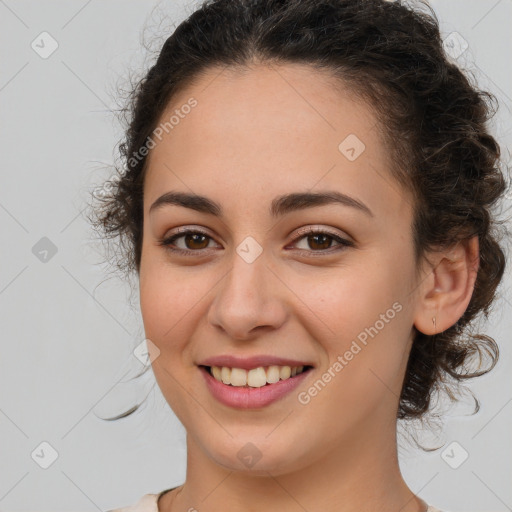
(256, 456)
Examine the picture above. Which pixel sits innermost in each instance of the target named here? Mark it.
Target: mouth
(261, 376)
(253, 388)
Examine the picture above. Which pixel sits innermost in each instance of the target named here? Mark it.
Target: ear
(445, 292)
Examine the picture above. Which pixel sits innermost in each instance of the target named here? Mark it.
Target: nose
(250, 300)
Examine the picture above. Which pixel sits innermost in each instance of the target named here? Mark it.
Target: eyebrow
(281, 205)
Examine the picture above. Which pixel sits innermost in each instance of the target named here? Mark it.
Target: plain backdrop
(68, 331)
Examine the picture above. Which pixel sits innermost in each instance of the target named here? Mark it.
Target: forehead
(266, 130)
(268, 107)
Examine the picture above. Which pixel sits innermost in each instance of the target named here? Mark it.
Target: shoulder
(148, 503)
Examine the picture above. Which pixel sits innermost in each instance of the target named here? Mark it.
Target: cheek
(170, 303)
(347, 300)
(171, 309)
(365, 353)
(360, 314)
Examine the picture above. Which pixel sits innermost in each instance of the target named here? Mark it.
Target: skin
(261, 133)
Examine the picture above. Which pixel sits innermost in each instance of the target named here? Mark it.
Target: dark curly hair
(432, 119)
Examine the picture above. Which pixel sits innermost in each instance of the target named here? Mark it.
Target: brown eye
(321, 241)
(197, 241)
(193, 240)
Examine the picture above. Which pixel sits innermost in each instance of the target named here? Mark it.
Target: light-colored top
(149, 503)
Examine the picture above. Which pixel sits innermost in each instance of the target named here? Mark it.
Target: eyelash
(167, 242)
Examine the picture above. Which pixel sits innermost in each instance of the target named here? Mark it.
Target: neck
(359, 475)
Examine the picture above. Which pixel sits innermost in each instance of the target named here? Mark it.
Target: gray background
(68, 331)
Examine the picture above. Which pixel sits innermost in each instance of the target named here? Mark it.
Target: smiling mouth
(255, 378)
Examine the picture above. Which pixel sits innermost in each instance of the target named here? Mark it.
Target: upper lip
(248, 363)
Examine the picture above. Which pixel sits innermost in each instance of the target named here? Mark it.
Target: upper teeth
(256, 377)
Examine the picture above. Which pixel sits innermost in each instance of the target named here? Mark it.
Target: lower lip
(251, 398)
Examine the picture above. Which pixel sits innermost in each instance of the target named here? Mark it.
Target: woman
(307, 203)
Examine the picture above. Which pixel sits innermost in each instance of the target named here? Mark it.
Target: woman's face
(254, 283)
